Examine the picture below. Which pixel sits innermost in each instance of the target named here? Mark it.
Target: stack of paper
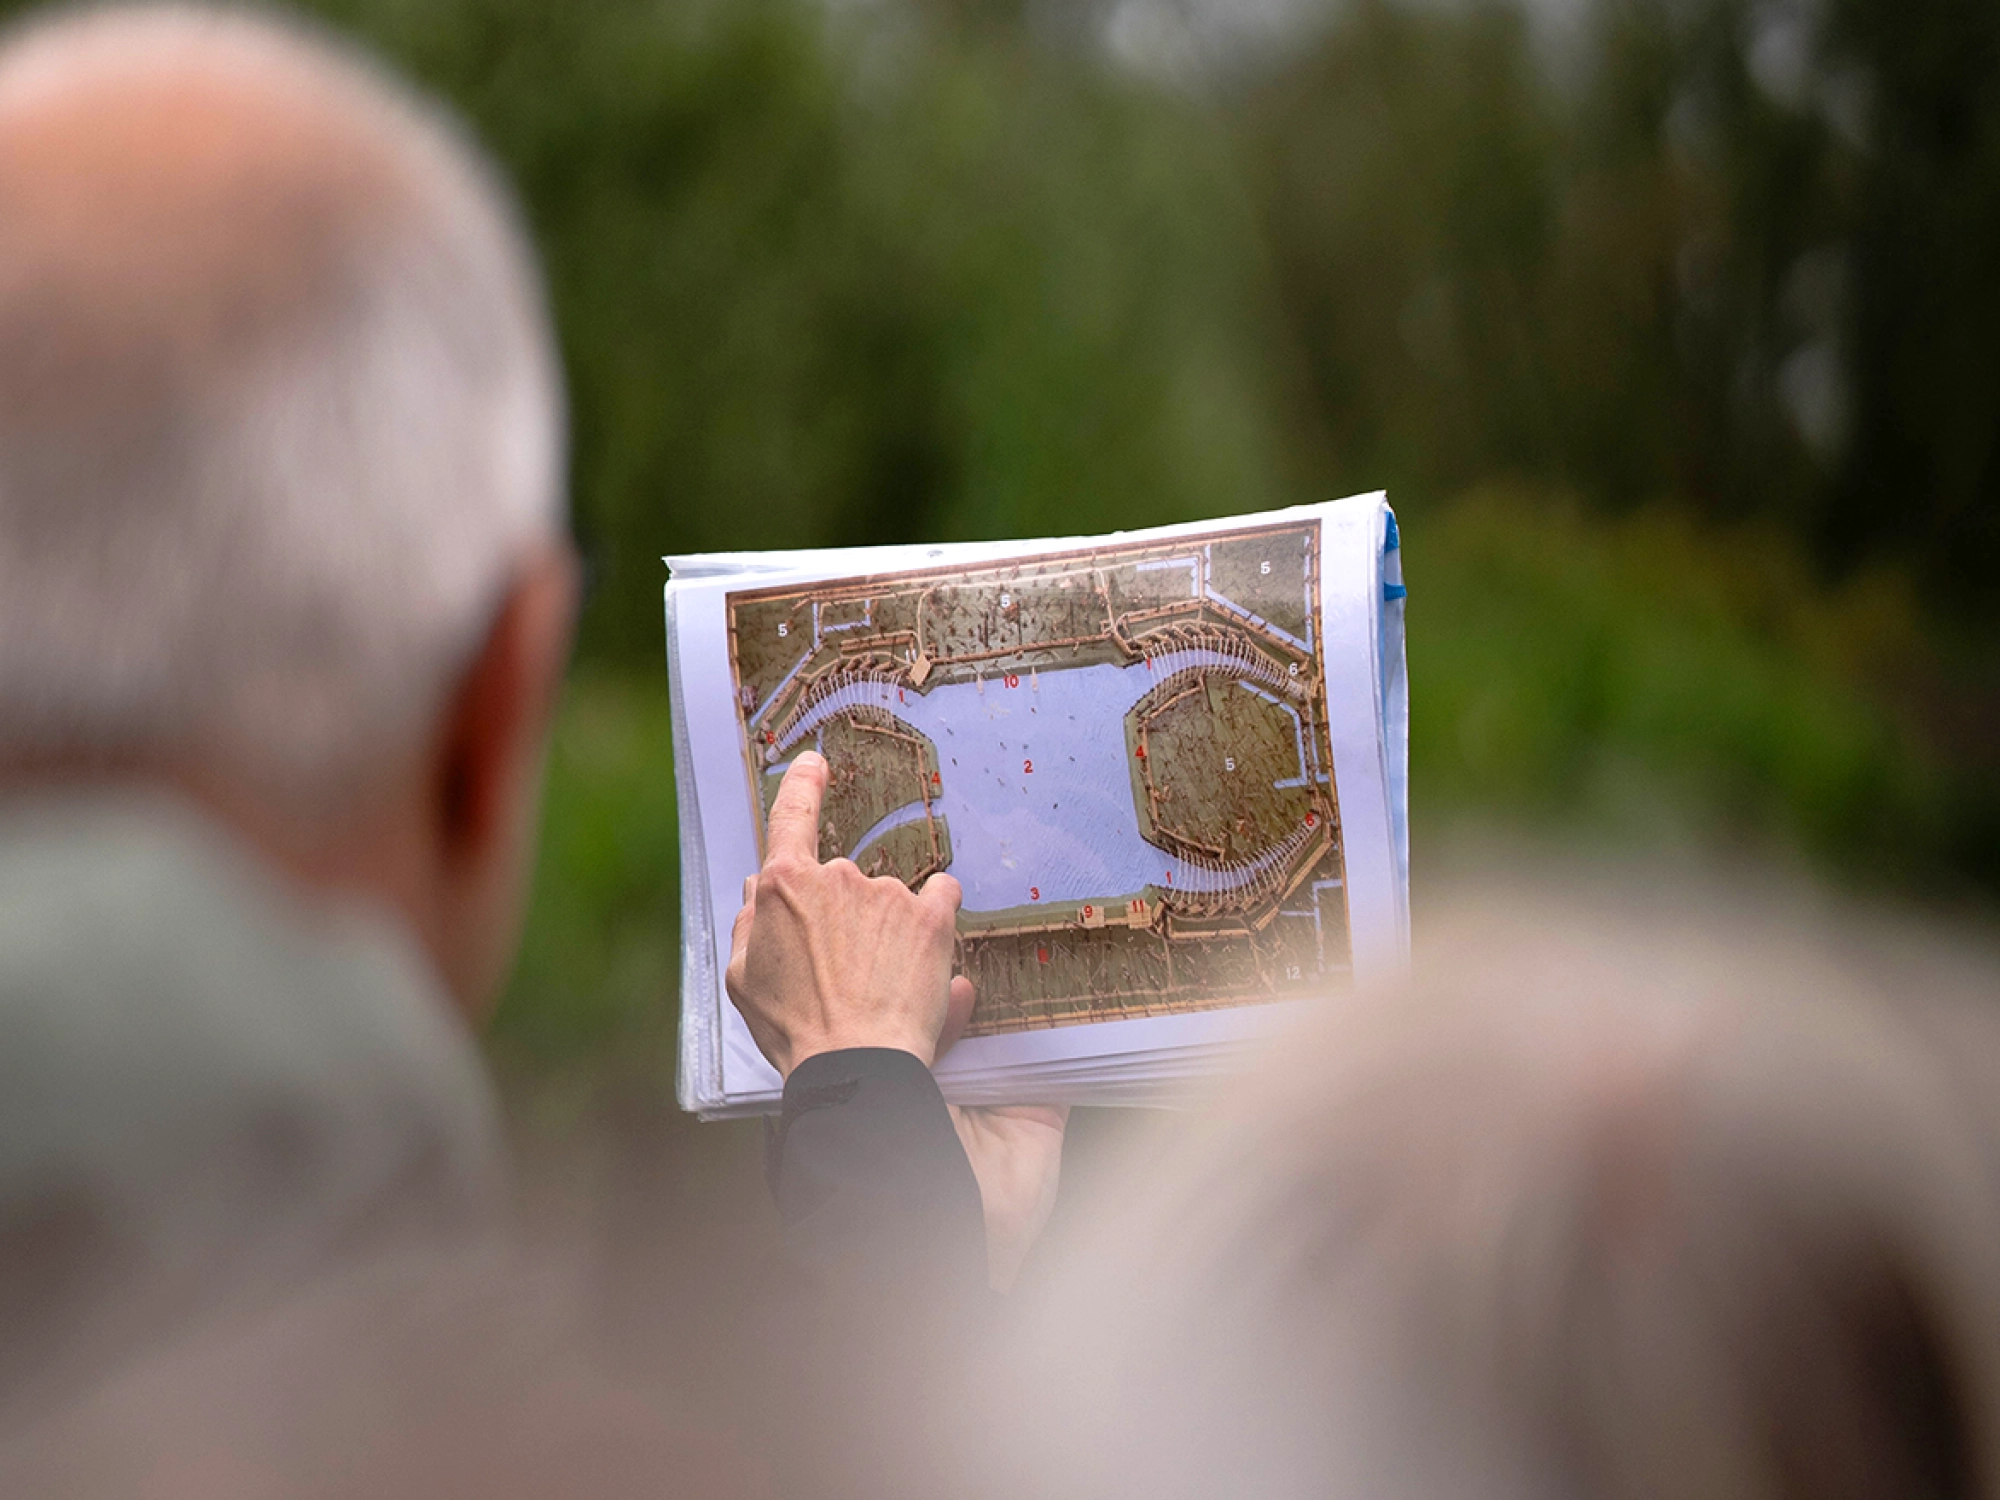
(1167, 767)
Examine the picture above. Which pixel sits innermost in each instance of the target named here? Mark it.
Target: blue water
(1034, 784)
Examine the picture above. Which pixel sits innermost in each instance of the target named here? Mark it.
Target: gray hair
(262, 484)
(1612, 1204)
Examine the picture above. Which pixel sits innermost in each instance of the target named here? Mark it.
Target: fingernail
(811, 758)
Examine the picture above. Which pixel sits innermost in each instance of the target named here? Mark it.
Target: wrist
(846, 1038)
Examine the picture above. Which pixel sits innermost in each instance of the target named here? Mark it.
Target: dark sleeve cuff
(871, 1183)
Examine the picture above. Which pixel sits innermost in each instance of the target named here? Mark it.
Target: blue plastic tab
(1392, 540)
(1391, 592)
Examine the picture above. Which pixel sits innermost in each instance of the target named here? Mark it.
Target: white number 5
(784, 629)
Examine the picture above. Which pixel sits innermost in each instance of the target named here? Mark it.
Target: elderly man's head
(280, 456)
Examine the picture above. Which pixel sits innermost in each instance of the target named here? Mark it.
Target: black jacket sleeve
(872, 1186)
(884, 1252)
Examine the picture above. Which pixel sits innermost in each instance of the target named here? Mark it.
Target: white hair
(259, 497)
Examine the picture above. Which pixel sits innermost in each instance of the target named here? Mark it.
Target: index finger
(794, 828)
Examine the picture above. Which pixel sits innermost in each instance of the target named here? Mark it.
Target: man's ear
(488, 748)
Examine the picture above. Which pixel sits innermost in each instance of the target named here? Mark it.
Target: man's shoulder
(208, 1085)
(142, 947)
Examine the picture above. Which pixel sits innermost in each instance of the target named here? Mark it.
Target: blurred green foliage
(1648, 679)
(829, 275)
(601, 954)
(1643, 682)
(1729, 255)
(1670, 335)
(1671, 326)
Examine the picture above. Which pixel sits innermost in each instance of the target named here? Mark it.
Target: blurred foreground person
(1611, 1206)
(285, 599)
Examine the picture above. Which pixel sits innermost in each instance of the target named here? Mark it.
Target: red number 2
(1027, 768)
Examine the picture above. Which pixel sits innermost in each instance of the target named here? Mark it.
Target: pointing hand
(822, 957)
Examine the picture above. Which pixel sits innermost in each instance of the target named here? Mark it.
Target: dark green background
(1671, 330)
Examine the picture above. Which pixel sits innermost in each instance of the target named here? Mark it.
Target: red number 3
(1034, 893)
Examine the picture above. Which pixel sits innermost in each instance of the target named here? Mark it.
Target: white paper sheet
(1184, 688)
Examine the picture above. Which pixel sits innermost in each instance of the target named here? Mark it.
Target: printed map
(1121, 754)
